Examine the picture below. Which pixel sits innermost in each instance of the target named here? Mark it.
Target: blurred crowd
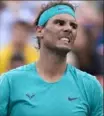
(18, 43)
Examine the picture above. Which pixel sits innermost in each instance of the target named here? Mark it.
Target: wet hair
(46, 7)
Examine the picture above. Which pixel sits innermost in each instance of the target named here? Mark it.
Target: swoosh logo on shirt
(71, 99)
(61, 8)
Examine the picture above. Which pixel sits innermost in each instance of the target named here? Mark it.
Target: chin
(64, 47)
(63, 50)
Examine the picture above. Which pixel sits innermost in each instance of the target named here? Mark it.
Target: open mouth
(65, 39)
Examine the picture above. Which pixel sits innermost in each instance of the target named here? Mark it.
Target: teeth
(65, 39)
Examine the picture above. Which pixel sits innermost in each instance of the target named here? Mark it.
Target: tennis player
(51, 87)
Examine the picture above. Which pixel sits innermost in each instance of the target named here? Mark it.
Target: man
(19, 43)
(50, 87)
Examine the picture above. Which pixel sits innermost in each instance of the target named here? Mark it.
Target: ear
(39, 32)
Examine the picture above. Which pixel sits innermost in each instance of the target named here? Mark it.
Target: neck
(51, 65)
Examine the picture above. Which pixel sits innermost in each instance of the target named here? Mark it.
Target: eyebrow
(60, 20)
(73, 21)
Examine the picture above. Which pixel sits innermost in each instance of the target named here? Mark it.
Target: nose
(67, 28)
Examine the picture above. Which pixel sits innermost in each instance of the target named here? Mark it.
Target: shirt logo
(61, 8)
(71, 99)
(30, 96)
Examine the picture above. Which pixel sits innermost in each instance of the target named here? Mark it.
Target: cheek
(75, 33)
(51, 33)
(53, 29)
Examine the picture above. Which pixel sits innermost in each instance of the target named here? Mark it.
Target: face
(20, 35)
(59, 33)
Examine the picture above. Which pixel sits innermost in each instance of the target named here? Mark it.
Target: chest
(51, 100)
